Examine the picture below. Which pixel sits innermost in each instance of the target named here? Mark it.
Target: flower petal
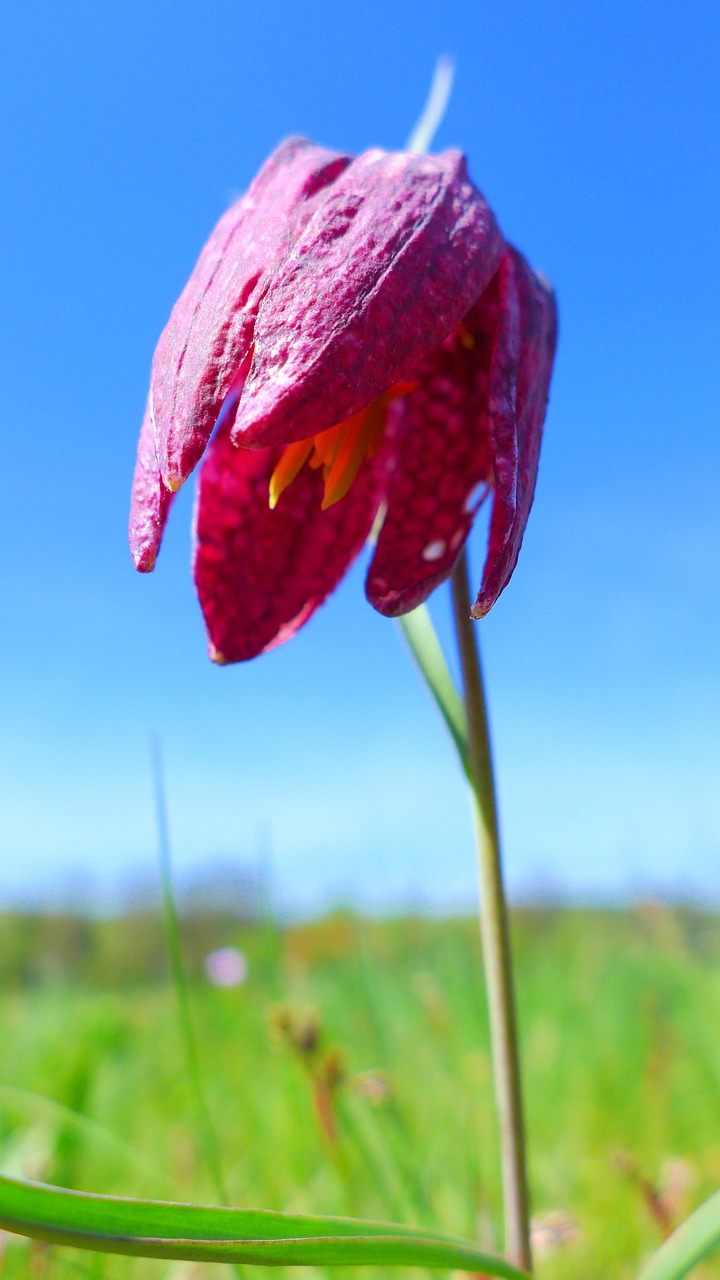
(261, 573)
(519, 386)
(211, 326)
(399, 250)
(150, 501)
(441, 465)
(474, 421)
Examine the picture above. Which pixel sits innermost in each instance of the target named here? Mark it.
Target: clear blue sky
(125, 130)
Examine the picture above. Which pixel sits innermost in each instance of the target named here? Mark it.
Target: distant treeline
(46, 947)
(38, 947)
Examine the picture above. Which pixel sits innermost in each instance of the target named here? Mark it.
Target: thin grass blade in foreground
(154, 1229)
(690, 1245)
(206, 1129)
(420, 139)
(28, 1101)
(421, 637)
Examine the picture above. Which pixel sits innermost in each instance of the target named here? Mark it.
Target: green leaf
(418, 629)
(153, 1229)
(693, 1241)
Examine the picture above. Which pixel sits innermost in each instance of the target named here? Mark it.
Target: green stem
(495, 934)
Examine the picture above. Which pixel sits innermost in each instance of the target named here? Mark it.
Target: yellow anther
(357, 436)
(292, 459)
(340, 450)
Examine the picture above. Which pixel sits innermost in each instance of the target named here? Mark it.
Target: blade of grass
(26, 1100)
(378, 1157)
(208, 1138)
(420, 635)
(692, 1242)
(154, 1229)
(442, 82)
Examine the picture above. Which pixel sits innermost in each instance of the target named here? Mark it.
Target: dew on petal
(477, 494)
(434, 550)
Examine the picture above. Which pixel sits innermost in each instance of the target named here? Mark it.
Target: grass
(351, 1074)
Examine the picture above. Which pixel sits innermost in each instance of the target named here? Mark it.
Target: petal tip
(144, 560)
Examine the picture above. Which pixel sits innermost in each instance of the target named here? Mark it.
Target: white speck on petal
(434, 550)
(477, 494)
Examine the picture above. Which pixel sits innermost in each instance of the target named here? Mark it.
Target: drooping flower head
(357, 347)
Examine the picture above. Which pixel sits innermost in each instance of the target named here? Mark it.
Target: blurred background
(322, 767)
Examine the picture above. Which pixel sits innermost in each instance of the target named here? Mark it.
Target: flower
(357, 347)
(226, 967)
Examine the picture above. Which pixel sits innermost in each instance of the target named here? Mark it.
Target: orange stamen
(340, 450)
(358, 435)
(327, 445)
(292, 459)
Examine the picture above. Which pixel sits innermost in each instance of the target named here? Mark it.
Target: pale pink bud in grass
(226, 967)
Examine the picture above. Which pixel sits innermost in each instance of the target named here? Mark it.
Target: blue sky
(126, 129)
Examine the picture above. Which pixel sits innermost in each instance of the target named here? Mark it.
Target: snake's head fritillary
(356, 347)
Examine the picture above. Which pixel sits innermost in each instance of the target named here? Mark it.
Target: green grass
(619, 1015)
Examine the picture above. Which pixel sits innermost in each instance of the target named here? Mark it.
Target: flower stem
(495, 934)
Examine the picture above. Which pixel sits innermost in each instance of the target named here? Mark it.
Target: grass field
(350, 1074)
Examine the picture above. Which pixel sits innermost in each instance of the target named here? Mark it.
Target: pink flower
(356, 347)
(226, 967)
